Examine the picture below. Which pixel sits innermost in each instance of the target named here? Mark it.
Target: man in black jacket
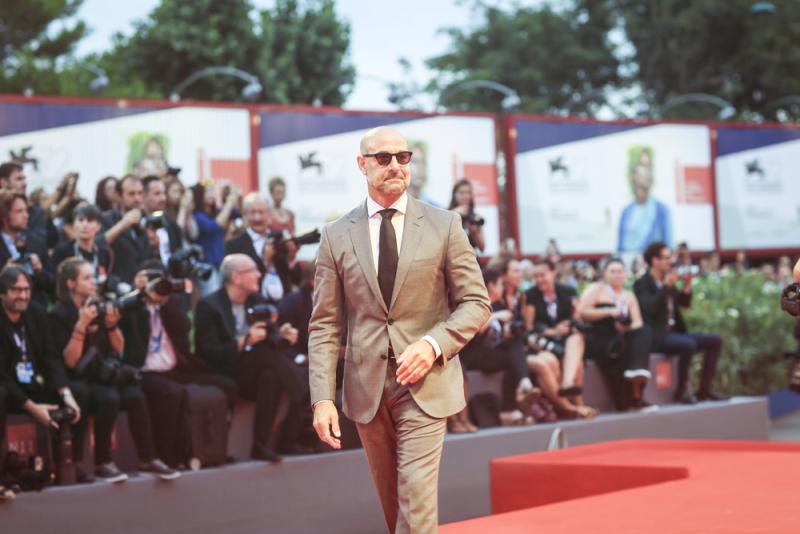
(156, 332)
(168, 233)
(661, 302)
(32, 377)
(123, 232)
(253, 354)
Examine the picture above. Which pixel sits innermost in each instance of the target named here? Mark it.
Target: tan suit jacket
(438, 291)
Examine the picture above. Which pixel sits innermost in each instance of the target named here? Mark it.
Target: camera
(624, 320)
(280, 240)
(790, 299)
(154, 221)
(474, 218)
(24, 259)
(542, 343)
(266, 313)
(517, 328)
(107, 368)
(123, 304)
(185, 263)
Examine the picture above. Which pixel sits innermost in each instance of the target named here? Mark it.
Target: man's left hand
(415, 362)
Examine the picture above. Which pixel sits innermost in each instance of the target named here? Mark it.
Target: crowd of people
(119, 303)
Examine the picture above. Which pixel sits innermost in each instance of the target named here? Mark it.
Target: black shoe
(712, 396)
(263, 453)
(159, 468)
(110, 473)
(297, 449)
(685, 398)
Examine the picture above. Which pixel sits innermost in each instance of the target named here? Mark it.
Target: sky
(381, 33)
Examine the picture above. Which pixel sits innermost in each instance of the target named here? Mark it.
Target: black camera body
(107, 368)
(517, 328)
(155, 221)
(542, 343)
(280, 239)
(186, 263)
(262, 312)
(790, 299)
(625, 320)
(474, 219)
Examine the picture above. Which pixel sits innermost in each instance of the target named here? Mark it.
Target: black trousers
(686, 346)
(508, 356)
(165, 393)
(265, 374)
(635, 348)
(105, 402)
(81, 394)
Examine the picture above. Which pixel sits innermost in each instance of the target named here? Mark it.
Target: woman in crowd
(281, 219)
(463, 203)
(91, 344)
(549, 311)
(180, 204)
(618, 340)
(106, 196)
(213, 218)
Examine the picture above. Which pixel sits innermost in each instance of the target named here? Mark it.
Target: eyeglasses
(385, 158)
(19, 290)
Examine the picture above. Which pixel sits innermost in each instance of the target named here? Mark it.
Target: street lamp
(249, 92)
(726, 109)
(511, 99)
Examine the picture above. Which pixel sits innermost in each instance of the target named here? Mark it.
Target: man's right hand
(671, 278)
(41, 413)
(257, 333)
(132, 218)
(326, 423)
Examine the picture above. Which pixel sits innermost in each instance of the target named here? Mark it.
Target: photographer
(618, 340)
(254, 240)
(42, 234)
(549, 316)
(123, 233)
(32, 377)
(499, 346)
(91, 344)
(164, 234)
(463, 203)
(661, 301)
(156, 331)
(253, 352)
(213, 217)
(17, 248)
(87, 223)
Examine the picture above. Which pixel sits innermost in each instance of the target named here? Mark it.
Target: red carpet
(646, 486)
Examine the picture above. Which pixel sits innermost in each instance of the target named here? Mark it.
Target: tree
(303, 53)
(721, 47)
(31, 45)
(180, 38)
(557, 61)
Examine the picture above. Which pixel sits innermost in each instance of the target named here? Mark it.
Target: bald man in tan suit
(399, 278)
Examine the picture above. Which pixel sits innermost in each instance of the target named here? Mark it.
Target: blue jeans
(685, 346)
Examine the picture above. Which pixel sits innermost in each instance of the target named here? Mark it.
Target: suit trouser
(685, 346)
(404, 446)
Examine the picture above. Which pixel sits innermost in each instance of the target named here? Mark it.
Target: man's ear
(362, 164)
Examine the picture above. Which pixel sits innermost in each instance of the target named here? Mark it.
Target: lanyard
(22, 343)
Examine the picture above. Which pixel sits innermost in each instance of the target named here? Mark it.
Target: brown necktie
(387, 256)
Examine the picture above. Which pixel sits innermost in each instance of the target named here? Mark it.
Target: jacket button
(390, 322)
(383, 356)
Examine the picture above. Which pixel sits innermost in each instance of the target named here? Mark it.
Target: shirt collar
(255, 235)
(400, 205)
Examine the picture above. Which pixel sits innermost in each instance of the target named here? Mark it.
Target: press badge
(25, 372)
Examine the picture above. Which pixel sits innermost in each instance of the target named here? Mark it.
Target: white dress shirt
(258, 241)
(160, 352)
(398, 220)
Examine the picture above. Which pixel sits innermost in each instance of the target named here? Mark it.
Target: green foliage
(719, 47)
(303, 53)
(31, 42)
(557, 61)
(744, 309)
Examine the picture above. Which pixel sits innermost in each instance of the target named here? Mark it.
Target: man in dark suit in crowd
(123, 233)
(169, 236)
(661, 301)
(156, 331)
(253, 354)
(15, 244)
(32, 376)
(296, 308)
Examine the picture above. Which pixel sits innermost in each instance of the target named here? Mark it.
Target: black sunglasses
(385, 158)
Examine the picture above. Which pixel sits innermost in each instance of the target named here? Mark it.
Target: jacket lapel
(359, 234)
(412, 236)
(227, 312)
